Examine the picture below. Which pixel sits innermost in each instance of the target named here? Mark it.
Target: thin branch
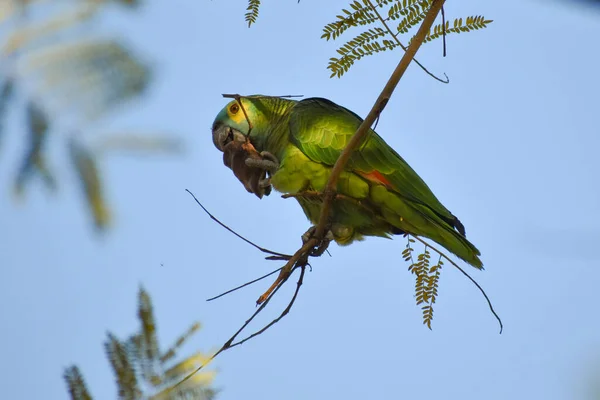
(378, 107)
(264, 250)
(467, 275)
(444, 30)
(245, 284)
(299, 258)
(404, 47)
(283, 314)
(296, 258)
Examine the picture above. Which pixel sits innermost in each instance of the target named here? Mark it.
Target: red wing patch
(375, 176)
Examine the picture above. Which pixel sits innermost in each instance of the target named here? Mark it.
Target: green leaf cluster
(393, 19)
(252, 11)
(142, 370)
(382, 23)
(470, 24)
(426, 279)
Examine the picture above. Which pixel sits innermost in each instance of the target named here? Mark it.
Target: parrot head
(231, 125)
(230, 133)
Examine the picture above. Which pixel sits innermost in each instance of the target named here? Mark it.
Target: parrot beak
(223, 135)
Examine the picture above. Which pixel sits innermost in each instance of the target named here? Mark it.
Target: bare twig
(230, 342)
(283, 314)
(299, 258)
(378, 107)
(444, 30)
(404, 47)
(465, 274)
(280, 256)
(245, 284)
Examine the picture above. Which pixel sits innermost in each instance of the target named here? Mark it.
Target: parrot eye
(234, 108)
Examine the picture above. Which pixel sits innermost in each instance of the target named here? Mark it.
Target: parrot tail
(445, 234)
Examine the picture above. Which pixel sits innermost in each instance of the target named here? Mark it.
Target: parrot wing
(321, 129)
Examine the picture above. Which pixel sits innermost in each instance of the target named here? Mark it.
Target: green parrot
(300, 141)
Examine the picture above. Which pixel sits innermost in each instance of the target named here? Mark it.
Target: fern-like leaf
(470, 24)
(433, 277)
(6, 94)
(76, 385)
(169, 354)
(365, 13)
(123, 369)
(412, 15)
(148, 350)
(34, 160)
(252, 11)
(403, 8)
(363, 45)
(359, 16)
(89, 177)
(426, 279)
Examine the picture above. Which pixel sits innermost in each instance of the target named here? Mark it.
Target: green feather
(384, 195)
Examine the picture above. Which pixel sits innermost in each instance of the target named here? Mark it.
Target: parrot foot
(264, 183)
(322, 247)
(268, 162)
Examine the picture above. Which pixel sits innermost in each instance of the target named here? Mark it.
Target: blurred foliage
(143, 371)
(65, 78)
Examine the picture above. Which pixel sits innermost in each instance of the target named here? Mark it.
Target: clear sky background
(510, 146)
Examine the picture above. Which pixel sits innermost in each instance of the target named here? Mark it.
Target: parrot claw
(264, 183)
(269, 156)
(322, 247)
(268, 162)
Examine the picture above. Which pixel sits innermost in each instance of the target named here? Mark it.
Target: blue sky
(510, 146)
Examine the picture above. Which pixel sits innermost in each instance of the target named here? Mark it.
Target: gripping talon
(268, 156)
(321, 247)
(266, 165)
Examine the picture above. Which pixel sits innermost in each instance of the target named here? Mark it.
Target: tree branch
(244, 285)
(378, 107)
(230, 342)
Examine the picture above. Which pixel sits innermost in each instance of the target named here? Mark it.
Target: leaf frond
(459, 26)
(426, 279)
(123, 369)
(75, 384)
(252, 12)
(374, 15)
(361, 15)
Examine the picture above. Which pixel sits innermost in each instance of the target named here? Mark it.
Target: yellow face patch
(235, 113)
